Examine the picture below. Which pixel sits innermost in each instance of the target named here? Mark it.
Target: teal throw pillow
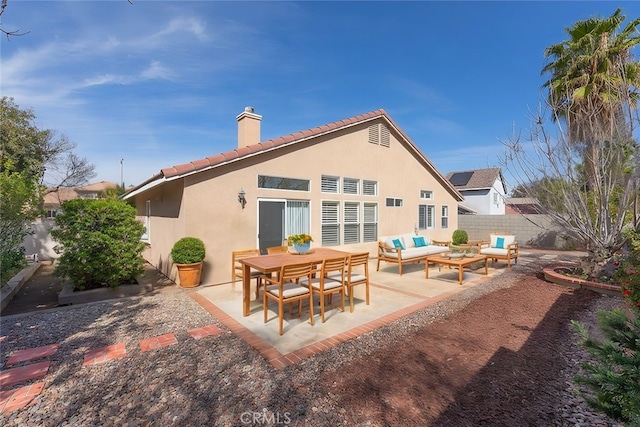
(500, 243)
(419, 241)
(397, 244)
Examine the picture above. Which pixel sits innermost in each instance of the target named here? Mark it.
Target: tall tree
(593, 84)
(585, 168)
(31, 159)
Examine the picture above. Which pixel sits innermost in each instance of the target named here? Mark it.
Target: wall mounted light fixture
(241, 198)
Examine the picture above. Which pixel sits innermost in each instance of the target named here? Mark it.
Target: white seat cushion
(494, 251)
(358, 277)
(328, 284)
(289, 290)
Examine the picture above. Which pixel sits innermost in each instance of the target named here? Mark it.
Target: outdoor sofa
(500, 246)
(407, 248)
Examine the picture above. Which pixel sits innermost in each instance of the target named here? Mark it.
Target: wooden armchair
(329, 281)
(500, 247)
(286, 289)
(237, 267)
(357, 274)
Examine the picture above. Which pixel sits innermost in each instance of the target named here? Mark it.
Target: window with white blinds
(329, 184)
(330, 223)
(369, 188)
(351, 186)
(370, 223)
(351, 222)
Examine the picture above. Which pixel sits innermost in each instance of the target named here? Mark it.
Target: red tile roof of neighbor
(238, 153)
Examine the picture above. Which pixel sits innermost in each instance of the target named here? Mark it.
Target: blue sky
(159, 83)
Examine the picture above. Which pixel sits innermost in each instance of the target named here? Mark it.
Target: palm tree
(593, 76)
(593, 92)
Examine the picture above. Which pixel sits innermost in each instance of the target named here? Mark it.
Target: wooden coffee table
(455, 262)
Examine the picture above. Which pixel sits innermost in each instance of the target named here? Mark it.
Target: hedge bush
(101, 243)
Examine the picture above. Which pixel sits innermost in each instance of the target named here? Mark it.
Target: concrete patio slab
(390, 294)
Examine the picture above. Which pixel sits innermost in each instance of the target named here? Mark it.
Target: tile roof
(238, 153)
(250, 150)
(480, 178)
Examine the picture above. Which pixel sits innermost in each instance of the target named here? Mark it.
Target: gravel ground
(219, 380)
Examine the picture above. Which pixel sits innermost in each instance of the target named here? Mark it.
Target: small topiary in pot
(459, 237)
(188, 250)
(188, 255)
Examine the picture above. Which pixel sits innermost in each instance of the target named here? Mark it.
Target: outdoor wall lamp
(241, 198)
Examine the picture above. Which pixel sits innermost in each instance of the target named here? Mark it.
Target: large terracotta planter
(189, 274)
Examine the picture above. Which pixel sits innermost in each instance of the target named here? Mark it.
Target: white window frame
(395, 202)
(330, 184)
(369, 187)
(369, 222)
(351, 186)
(146, 237)
(426, 217)
(330, 221)
(426, 194)
(444, 219)
(351, 223)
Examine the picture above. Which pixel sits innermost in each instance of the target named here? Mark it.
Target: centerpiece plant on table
(301, 242)
(300, 239)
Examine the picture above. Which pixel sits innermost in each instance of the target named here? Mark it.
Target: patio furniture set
(287, 277)
(290, 277)
(412, 248)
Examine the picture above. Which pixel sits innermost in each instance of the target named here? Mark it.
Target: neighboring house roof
(463, 210)
(57, 196)
(207, 163)
(524, 205)
(476, 179)
(97, 187)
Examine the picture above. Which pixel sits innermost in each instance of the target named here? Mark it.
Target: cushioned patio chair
(357, 274)
(237, 267)
(500, 247)
(286, 289)
(328, 281)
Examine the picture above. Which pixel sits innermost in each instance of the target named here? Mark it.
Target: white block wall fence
(536, 231)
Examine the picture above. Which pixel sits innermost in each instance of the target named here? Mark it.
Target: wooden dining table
(273, 263)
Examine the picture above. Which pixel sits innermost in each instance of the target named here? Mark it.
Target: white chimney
(248, 127)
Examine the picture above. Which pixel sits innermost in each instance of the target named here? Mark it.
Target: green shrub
(459, 237)
(101, 243)
(11, 262)
(188, 250)
(614, 377)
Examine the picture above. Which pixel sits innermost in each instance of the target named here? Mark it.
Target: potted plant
(188, 255)
(301, 242)
(459, 237)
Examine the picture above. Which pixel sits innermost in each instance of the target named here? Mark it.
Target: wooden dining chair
(329, 281)
(237, 267)
(357, 274)
(277, 249)
(286, 289)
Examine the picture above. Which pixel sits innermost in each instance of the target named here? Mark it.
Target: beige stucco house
(346, 183)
